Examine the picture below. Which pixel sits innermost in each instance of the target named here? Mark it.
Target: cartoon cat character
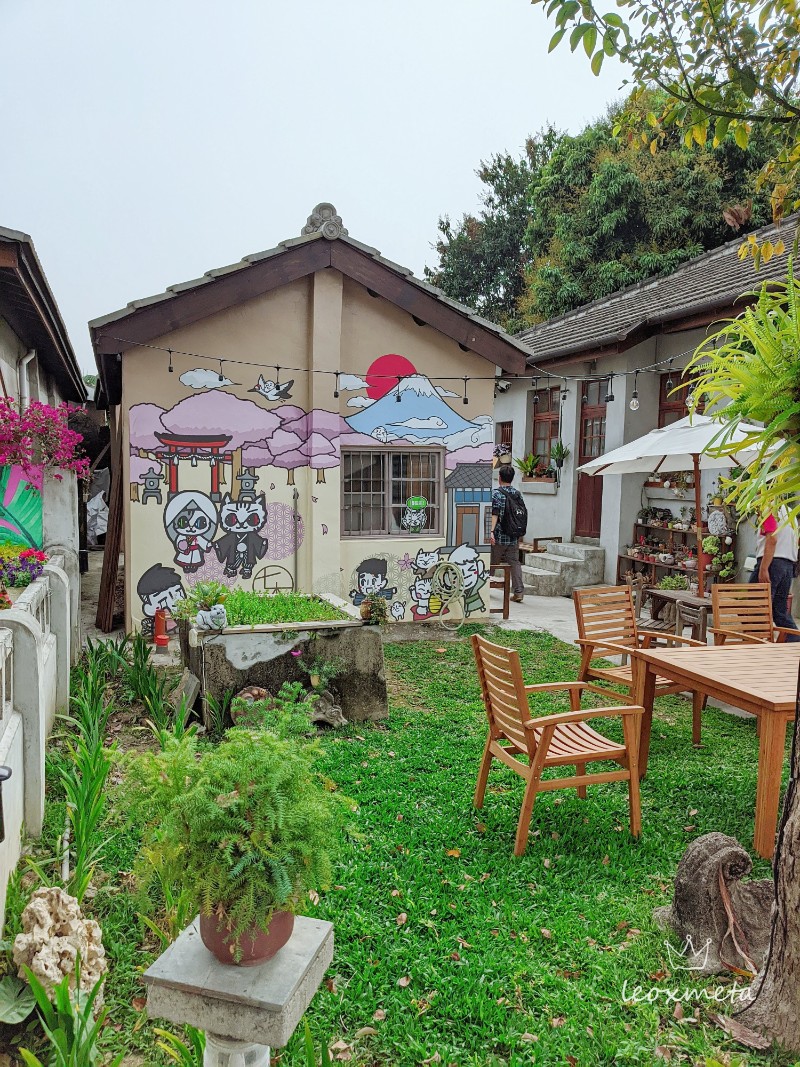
(241, 546)
(190, 522)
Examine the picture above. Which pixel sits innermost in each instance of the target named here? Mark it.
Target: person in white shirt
(776, 557)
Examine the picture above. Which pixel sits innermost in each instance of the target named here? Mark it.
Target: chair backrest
(504, 696)
(605, 613)
(747, 608)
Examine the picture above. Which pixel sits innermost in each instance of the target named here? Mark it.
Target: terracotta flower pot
(257, 945)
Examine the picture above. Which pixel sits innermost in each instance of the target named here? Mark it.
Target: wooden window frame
(388, 451)
(551, 417)
(675, 404)
(505, 433)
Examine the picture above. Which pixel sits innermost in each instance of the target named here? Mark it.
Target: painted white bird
(273, 390)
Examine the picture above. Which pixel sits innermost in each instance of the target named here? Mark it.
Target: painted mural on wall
(20, 510)
(213, 483)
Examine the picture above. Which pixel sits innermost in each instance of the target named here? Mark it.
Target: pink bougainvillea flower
(297, 652)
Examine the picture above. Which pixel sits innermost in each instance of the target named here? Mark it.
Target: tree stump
(709, 877)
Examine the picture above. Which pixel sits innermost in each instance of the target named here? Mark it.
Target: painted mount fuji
(415, 410)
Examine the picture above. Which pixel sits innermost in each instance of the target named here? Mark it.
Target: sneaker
(517, 599)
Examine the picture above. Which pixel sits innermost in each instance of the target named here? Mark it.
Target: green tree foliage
(727, 67)
(579, 217)
(482, 259)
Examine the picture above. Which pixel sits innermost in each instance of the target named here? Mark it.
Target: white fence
(35, 653)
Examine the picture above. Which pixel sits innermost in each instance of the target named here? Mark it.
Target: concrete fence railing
(37, 642)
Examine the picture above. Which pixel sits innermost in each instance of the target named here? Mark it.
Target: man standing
(776, 552)
(509, 523)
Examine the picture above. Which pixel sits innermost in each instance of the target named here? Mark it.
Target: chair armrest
(617, 649)
(784, 630)
(663, 635)
(738, 635)
(582, 715)
(555, 686)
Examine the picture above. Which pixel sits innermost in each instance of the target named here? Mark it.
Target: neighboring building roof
(700, 291)
(30, 309)
(470, 476)
(323, 243)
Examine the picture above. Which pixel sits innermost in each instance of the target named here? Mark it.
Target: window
(672, 403)
(593, 421)
(546, 420)
(376, 483)
(505, 434)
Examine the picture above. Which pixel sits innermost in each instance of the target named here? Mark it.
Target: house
(37, 362)
(288, 422)
(609, 372)
(469, 503)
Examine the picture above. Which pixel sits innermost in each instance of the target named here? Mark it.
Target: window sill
(540, 486)
(391, 537)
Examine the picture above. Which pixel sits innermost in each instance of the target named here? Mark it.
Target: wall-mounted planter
(540, 486)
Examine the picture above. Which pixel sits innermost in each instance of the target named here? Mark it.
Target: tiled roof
(709, 283)
(470, 476)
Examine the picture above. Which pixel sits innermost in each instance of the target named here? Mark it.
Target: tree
(482, 259)
(725, 68)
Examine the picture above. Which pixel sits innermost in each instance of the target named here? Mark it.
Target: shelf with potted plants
(673, 551)
(534, 468)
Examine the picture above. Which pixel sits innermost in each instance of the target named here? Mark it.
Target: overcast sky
(145, 142)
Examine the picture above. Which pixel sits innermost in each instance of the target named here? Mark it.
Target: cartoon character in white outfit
(190, 520)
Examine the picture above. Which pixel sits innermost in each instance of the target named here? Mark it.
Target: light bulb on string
(221, 375)
(336, 387)
(536, 390)
(397, 398)
(171, 368)
(670, 383)
(466, 398)
(610, 393)
(634, 404)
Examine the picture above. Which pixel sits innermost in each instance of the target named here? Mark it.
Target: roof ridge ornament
(324, 219)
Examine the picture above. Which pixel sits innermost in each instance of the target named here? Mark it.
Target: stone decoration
(54, 934)
(323, 219)
(710, 869)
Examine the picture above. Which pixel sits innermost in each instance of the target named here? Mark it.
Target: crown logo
(688, 958)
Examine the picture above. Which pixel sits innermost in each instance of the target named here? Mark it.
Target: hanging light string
(538, 371)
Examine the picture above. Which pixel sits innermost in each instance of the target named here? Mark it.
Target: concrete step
(550, 561)
(576, 550)
(540, 582)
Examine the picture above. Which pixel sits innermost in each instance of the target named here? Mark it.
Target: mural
(207, 501)
(20, 510)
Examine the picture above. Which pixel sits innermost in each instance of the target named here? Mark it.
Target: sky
(147, 142)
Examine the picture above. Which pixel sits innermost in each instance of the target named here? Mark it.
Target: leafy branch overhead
(725, 68)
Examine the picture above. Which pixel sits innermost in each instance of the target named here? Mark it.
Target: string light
(610, 393)
(397, 398)
(536, 388)
(634, 404)
(221, 375)
(466, 398)
(336, 387)
(171, 368)
(564, 394)
(670, 383)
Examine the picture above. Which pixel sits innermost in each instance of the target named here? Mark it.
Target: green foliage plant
(377, 609)
(247, 827)
(749, 373)
(69, 1023)
(310, 1051)
(287, 714)
(202, 596)
(559, 452)
(673, 581)
(189, 1053)
(528, 465)
(324, 668)
(247, 608)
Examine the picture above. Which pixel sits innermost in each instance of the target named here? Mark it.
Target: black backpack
(515, 515)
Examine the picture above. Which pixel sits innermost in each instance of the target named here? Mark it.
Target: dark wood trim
(362, 268)
(8, 256)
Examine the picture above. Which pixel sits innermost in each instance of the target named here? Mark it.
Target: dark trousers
(781, 573)
(510, 554)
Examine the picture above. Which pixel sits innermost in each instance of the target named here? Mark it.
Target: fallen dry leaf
(558, 1020)
(547, 863)
(743, 1034)
(440, 650)
(546, 933)
(678, 1013)
(379, 1015)
(689, 829)
(454, 852)
(605, 861)
(341, 1050)
(572, 1061)
(313, 896)
(663, 1053)
(139, 1003)
(404, 981)
(396, 892)
(330, 985)
(692, 811)
(463, 943)
(435, 1058)
(455, 956)
(401, 919)
(590, 1031)
(366, 1031)
(480, 827)
(400, 817)
(528, 1037)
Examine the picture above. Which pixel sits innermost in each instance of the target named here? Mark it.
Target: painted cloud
(359, 402)
(432, 423)
(203, 378)
(351, 381)
(440, 389)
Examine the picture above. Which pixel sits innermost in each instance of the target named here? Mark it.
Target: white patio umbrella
(681, 446)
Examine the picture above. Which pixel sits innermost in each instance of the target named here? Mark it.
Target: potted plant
(528, 465)
(559, 452)
(374, 609)
(245, 829)
(322, 671)
(501, 454)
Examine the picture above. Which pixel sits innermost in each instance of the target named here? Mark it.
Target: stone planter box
(230, 659)
(541, 486)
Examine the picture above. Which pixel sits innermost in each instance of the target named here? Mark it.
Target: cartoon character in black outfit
(371, 578)
(241, 546)
(158, 587)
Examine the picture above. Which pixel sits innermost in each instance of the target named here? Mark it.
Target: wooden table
(761, 679)
(697, 615)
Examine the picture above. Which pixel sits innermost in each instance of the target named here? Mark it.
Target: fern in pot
(246, 828)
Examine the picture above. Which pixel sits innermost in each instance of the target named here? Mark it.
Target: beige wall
(328, 323)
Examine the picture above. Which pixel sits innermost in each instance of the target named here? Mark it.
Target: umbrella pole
(698, 496)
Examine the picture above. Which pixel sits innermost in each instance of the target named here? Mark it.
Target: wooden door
(591, 444)
(468, 524)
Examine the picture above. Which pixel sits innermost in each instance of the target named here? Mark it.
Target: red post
(173, 471)
(161, 639)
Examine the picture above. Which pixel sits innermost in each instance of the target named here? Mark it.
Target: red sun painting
(384, 373)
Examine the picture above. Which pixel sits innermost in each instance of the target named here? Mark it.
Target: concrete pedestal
(243, 1010)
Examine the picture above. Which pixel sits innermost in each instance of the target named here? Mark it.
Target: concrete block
(31, 693)
(260, 1004)
(187, 690)
(61, 628)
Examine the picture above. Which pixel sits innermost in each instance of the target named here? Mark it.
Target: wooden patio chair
(607, 624)
(550, 740)
(743, 614)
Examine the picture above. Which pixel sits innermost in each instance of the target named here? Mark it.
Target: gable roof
(324, 243)
(30, 309)
(470, 476)
(699, 292)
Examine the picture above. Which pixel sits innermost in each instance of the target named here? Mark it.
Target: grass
(509, 961)
(245, 608)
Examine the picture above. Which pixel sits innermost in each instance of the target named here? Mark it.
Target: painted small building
(607, 373)
(290, 422)
(37, 362)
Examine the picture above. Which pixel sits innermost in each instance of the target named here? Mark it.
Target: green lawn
(467, 954)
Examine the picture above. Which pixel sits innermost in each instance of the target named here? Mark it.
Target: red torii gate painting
(194, 447)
